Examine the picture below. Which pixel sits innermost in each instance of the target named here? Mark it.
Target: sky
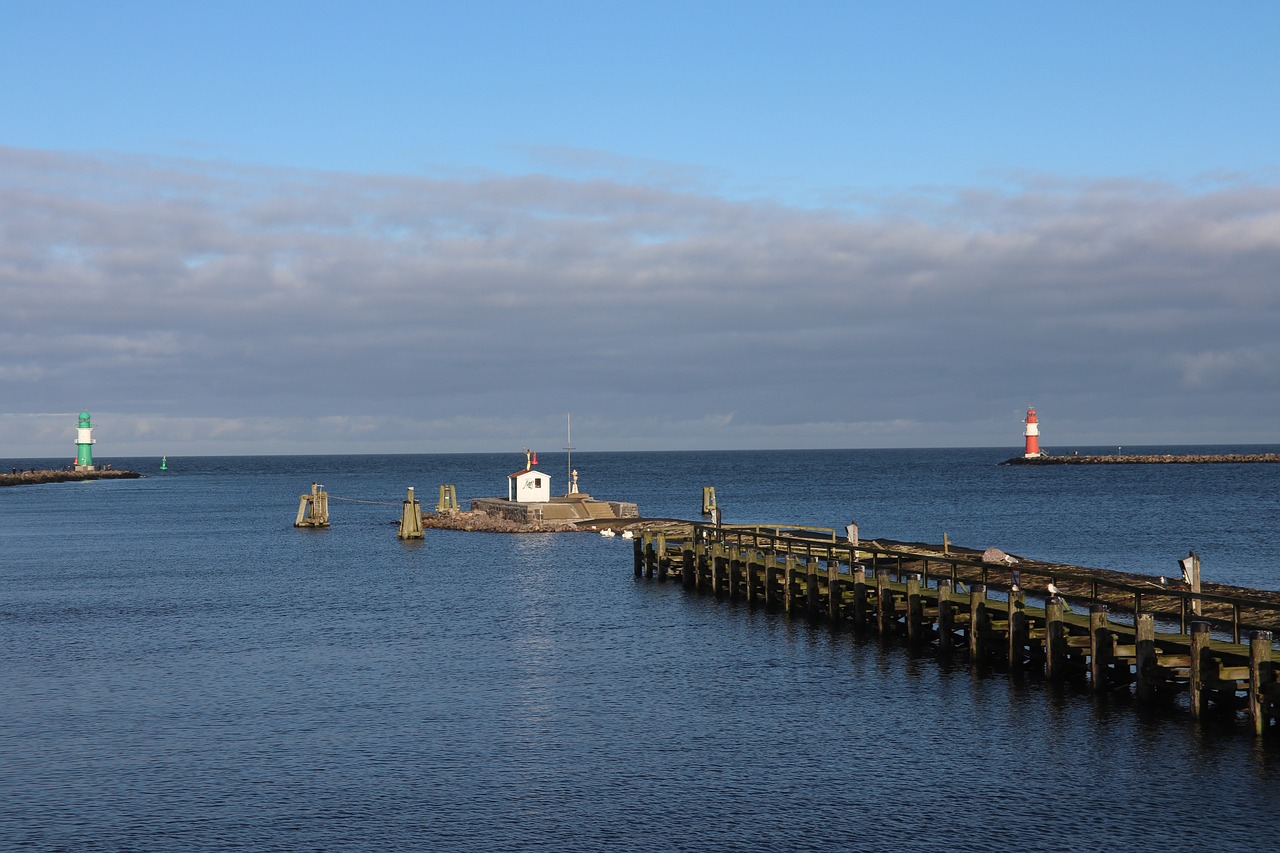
(420, 227)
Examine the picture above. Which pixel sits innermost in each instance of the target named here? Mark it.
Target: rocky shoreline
(34, 477)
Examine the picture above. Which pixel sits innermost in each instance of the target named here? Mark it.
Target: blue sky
(937, 212)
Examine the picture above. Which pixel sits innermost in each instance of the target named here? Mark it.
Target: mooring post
(1100, 643)
(1260, 675)
(1017, 616)
(946, 617)
(859, 596)
(976, 629)
(719, 555)
(410, 518)
(915, 611)
(1200, 668)
(660, 557)
(1144, 664)
(637, 552)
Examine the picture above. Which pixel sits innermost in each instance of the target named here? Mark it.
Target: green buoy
(164, 463)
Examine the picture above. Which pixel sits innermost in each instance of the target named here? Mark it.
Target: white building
(529, 486)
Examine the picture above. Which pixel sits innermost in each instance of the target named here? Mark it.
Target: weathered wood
(1017, 616)
(859, 572)
(835, 593)
(1260, 678)
(1100, 645)
(1201, 666)
(789, 582)
(1144, 667)
(977, 625)
(915, 611)
(811, 585)
(885, 602)
(946, 617)
(746, 563)
(770, 570)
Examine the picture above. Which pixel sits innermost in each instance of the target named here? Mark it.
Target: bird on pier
(1053, 590)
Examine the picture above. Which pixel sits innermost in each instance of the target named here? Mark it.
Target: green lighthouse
(84, 444)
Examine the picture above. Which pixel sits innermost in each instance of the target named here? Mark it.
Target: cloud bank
(204, 308)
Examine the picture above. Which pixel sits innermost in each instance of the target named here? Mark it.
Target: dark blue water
(182, 669)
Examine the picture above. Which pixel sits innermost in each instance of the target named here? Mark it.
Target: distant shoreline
(34, 478)
(1157, 459)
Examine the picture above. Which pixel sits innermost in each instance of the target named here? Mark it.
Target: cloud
(239, 308)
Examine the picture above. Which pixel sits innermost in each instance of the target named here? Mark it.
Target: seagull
(608, 532)
(1164, 581)
(1053, 590)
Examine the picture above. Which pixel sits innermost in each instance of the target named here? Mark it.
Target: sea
(182, 669)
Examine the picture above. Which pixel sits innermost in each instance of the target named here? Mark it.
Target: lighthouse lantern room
(84, 444)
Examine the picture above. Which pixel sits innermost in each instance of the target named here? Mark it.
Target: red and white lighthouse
(1032, 433)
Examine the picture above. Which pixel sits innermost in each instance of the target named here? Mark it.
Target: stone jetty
(1158, 459)
(34, 477)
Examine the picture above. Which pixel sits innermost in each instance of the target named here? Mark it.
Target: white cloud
(229, 305)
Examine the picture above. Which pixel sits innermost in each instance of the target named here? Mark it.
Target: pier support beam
(1101, 642)
(1201, 665)
(1260, 679)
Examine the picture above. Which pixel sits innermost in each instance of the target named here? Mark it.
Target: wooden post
(788, 582)
(770, 569)
(946, 617)
(835, 594)
(719, 555)
(1260, 675)
(811, 586)
(859, 596)
(977, 621)
(692, 558)
(884, 601)
(1145, 656)
(637, 548)
(1200, 666)
(1100, 642)
(1017, 616)
(1055, 639)
(915, 611)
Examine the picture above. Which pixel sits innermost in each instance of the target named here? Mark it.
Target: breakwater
(34, 477)
(1166, 644)
(1151, 459)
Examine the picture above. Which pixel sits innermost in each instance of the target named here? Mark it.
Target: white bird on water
(608, 532)
(627, 534)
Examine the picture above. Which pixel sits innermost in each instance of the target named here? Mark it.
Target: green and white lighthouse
(84, 444)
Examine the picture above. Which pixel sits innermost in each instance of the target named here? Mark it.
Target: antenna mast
(568, 426)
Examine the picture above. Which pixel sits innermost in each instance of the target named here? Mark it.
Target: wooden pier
(1102, 632)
